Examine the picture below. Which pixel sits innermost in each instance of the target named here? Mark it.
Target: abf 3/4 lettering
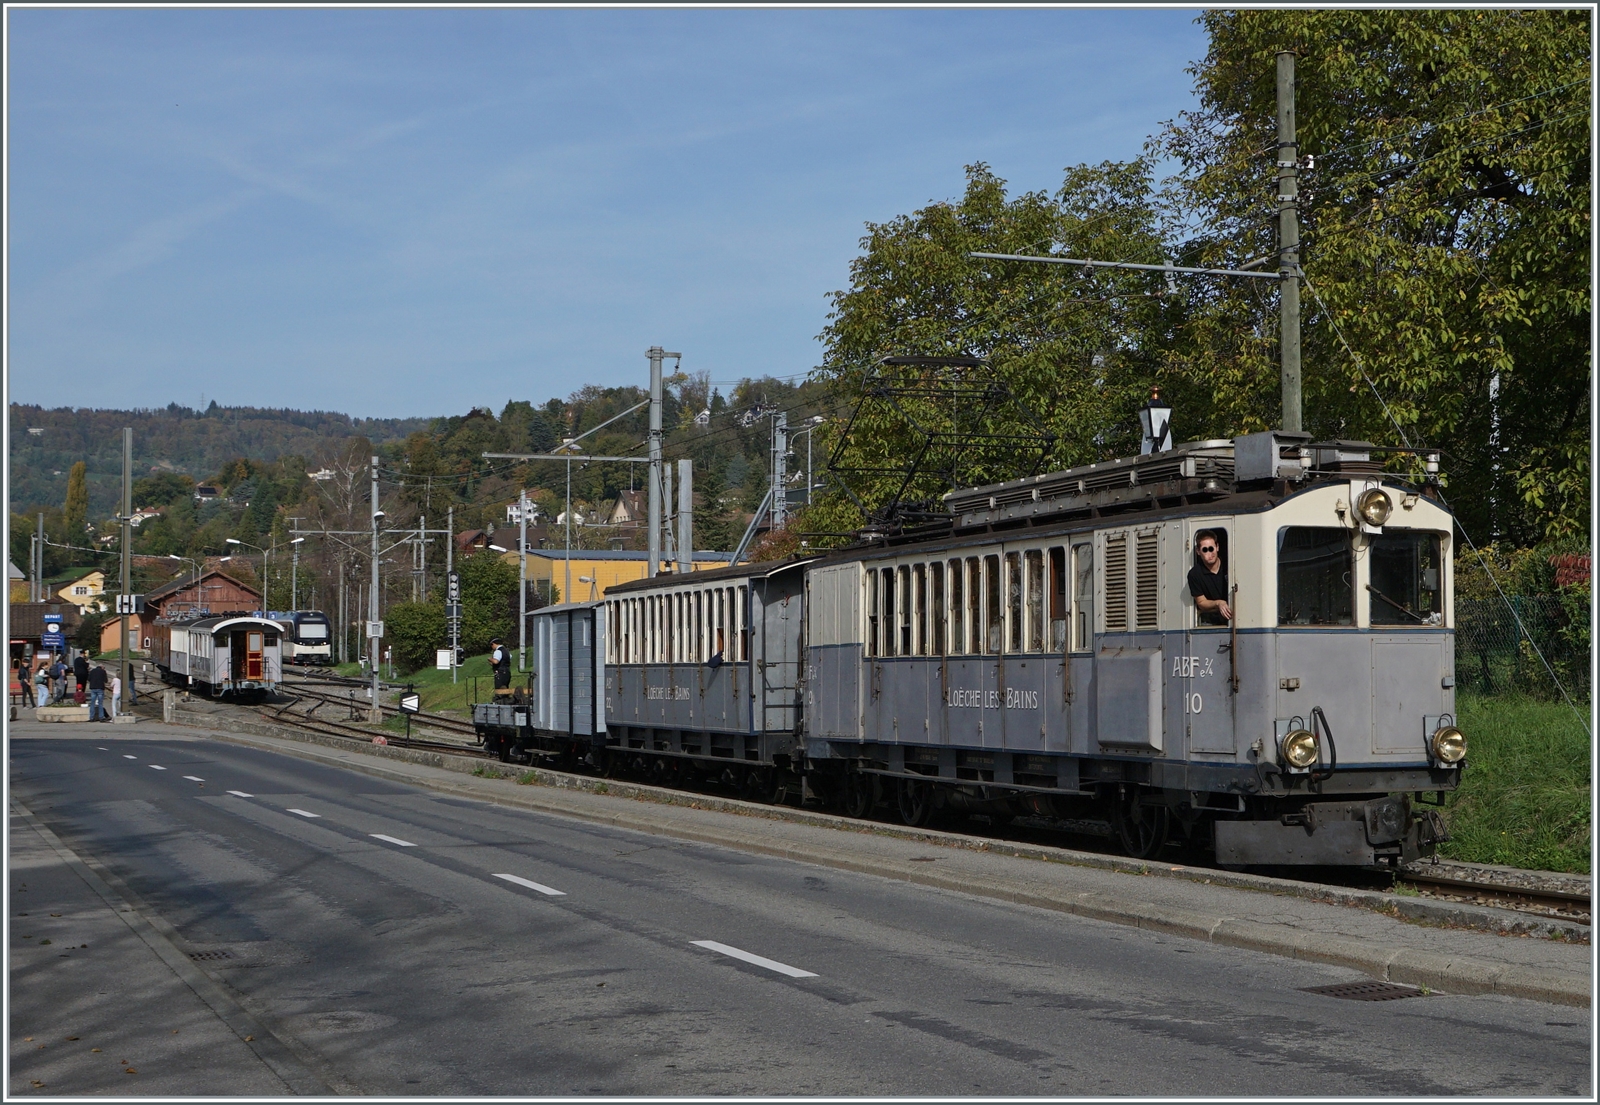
(1191, 667)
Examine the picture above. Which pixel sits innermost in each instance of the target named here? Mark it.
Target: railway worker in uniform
(1208, 580)
(80, 677)
(500, 661)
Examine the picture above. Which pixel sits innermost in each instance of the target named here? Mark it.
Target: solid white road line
(127, 757)
(304, 813)
(394, 840)
(157, 767)
(194, 778)
(241, 794)
(759, 961)
(531, 885)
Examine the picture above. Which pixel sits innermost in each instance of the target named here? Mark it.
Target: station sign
(374, 629)
(442, 657)
(410, 703)
(52, 637)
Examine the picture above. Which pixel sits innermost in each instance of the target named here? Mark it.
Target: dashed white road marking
(157, 767)
(304, 813)
(197, 779)
(531, 885)
(103, 749)
(394, 840)
(750, 957)
(128, 757)
(241, 794)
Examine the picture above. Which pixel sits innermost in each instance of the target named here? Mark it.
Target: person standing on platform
(116, 693)
(96, 683)
(41, 682)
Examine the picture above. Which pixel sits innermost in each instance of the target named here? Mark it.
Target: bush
(415, 631)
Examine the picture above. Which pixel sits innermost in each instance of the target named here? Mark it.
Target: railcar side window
(1034, 559)
(1014, 601)
(1082, 593)
(872, 613)
(891, 628)
(919, 584)
(744, 621)
(958, 629)
(1314, 576)
(1058, 599)
(905, 645)
(1407, 585)
(974, 607)
(992, 609)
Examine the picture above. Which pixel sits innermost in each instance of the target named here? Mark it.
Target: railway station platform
(1444, 946)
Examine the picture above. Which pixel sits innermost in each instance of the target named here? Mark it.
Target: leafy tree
(76, 511)
(1069, 356)
(414, 630)
(1446, 236)
(162, 489)
(488, 599)
(87, 635)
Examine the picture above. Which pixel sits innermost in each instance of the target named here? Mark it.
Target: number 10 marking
(1191, 703)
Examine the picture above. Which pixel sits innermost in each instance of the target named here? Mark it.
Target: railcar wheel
(860, 794)
(502, 748)
(916, 801)
(1141, 830)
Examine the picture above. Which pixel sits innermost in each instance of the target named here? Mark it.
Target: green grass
(434, 687)
(1525, 799)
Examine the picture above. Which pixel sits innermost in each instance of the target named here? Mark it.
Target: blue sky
(413, 212)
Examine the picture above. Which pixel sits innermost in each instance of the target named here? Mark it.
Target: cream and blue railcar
(1044, 654)
(232, 655)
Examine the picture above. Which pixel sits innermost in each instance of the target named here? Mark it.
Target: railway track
(1564, 897)
(435, 721)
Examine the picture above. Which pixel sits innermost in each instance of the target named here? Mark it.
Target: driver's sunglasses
(1208, 548)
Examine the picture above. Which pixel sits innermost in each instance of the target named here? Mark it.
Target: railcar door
(1204, 670)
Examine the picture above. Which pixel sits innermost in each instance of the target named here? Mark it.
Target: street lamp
(294, 575)
(1155, 418)
(266, 605)
(196, 563)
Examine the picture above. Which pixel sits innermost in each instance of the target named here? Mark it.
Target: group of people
(89, 684)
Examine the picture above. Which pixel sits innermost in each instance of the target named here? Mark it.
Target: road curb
(1453, 974)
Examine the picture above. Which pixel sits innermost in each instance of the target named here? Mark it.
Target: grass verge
(1526, 797)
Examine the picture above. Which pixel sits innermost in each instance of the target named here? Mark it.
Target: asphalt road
(423, 944)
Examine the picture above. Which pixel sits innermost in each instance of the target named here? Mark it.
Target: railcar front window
(1407, 585)
(1314, 576)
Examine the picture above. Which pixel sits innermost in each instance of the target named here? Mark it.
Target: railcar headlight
(1374, 506)
(1299, 748)
(1449, 745)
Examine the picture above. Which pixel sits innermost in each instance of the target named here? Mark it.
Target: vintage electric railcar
(233, 655)
(1041, 653)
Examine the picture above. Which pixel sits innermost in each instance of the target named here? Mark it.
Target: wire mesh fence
(1495, 649)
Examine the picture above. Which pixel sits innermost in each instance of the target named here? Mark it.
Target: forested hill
(175, 438)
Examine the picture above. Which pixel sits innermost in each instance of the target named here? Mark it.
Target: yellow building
(594, 570)
(87, 592)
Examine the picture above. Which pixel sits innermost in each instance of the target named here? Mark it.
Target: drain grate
(211, 955)
(1365, 991)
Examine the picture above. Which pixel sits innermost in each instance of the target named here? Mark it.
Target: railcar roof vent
(1196, 468)
(1354, 457)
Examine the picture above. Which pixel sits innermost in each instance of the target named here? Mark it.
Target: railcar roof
(760, 569)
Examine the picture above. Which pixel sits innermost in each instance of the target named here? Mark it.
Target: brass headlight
(1449, 745)
(1374, 506)
(1299, 748)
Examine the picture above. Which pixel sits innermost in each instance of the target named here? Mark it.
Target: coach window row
(680, 627)
(1019, 601)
